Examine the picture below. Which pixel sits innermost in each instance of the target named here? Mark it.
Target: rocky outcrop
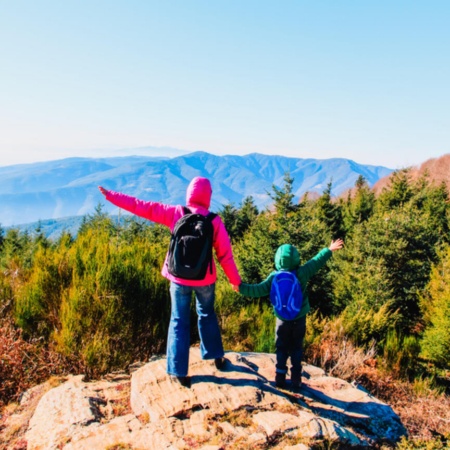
(223, 409)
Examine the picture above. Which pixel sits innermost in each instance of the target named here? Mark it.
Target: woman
(198, 199)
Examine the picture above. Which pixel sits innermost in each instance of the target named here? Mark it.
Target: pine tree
(246, 214)
(330, 213)
(435, 304)
(283, 197)
(359, 205)
(229, 214)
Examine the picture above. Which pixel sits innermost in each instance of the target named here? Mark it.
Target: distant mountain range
(68, 187)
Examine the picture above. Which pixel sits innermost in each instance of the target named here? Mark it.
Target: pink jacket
(198, 199)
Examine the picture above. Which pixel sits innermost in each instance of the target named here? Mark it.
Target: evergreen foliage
(359, 205)
(99, 298)
(435, 305)
(238, 220)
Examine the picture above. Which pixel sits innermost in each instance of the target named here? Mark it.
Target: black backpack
(191, 243)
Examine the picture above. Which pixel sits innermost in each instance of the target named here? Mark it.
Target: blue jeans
(178, 340)
(289, 335)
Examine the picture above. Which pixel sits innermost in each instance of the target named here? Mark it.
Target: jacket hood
(287, 257)
(199, 193)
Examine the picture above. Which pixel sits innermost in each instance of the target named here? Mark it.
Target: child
(198, 199)
(289, 333)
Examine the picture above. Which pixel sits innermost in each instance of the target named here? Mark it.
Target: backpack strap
(210, 217)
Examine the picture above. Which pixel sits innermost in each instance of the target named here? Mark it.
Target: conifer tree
(359, 205)
(228, 213)
(2, 236)
(283, 197)
(255, 251)
(12, 246)
(399, 191)
(435, 304)
(330, 213)
(245, 216)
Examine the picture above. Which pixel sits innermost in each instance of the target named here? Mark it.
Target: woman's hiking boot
(220, 363)
(296, 379)
(184, 381)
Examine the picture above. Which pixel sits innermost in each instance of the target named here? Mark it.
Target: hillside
(64, 188)
(437, 169)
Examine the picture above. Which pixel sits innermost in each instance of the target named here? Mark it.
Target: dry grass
(116, 402)
(144, 418)
(191, 441)
(336, 354)
(25, 363)
(14, 418)
(425, 413)
(119, 446)
(121, 407)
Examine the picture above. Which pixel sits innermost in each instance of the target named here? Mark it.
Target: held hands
(336, 245)
(102, 190)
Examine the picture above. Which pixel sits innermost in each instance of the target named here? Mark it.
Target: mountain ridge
(68, 187)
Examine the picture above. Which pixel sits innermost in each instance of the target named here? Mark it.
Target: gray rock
(240, 404)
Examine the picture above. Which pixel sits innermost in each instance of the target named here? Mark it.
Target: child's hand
(235, 287)
(336, 245)
(102, 190)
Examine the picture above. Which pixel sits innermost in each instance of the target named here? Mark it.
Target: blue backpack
(286, 295)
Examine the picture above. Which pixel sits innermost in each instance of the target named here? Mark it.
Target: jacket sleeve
(154, 211)
(256, 290)
(311, 267)
(224, 253)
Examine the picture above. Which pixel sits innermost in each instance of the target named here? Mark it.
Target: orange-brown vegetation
(438, 170)
(424, 412)
(24, 364)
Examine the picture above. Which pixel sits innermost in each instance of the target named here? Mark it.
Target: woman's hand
(103, 190)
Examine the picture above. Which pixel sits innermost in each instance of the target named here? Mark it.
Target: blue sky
(364, 80)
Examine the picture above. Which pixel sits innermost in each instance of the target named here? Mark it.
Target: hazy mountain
(68, 187)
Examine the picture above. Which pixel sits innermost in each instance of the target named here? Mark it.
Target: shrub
(24, 363)
(335, 352)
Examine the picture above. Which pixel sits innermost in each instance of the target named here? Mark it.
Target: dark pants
(289, 335)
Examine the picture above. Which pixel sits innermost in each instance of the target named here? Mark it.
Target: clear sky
(367, 80)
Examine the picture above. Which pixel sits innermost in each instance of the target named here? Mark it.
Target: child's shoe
(280, 380)
(296, 382)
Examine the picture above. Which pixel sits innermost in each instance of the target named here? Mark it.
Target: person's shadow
(260, 382)
(371, 418)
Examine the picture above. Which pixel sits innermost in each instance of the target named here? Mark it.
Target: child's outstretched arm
(311, 267)
(258, 289)
(336, 245)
